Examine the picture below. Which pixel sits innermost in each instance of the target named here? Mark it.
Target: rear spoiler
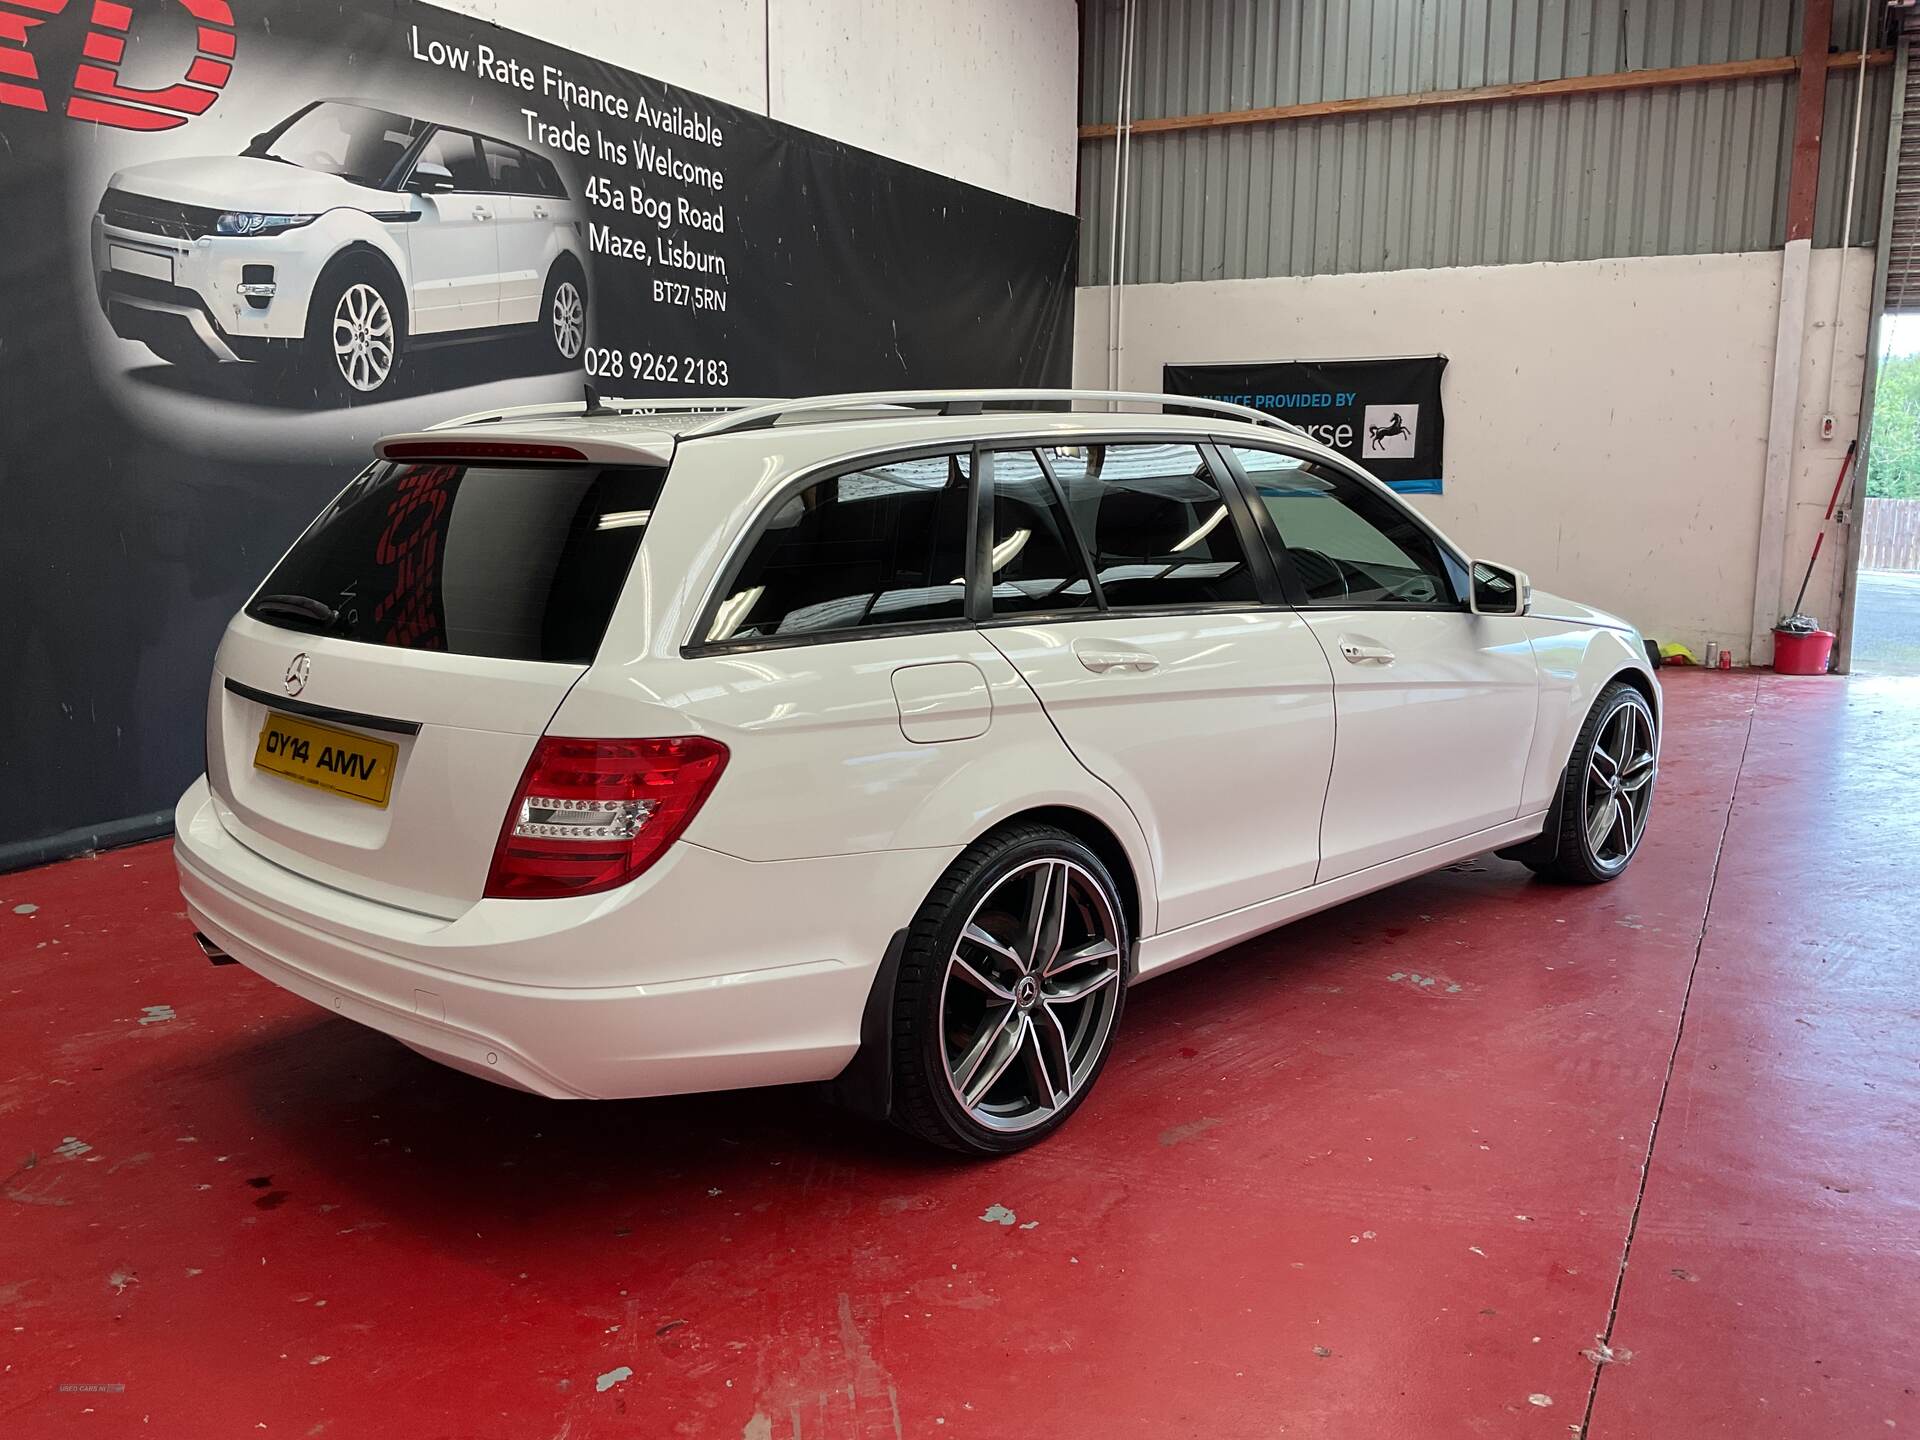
(611, 446)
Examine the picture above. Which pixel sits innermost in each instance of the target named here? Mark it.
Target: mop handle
(1845, 465)
(1820, 539)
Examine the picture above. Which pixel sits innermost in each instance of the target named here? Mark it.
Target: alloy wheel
(1619, 788)
(1030, 994)
(363, 337)
(569, 319)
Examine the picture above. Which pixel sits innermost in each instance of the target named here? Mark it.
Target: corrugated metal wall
(1678, 171)
(1903, 239)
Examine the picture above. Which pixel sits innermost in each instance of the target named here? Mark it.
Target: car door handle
(1100, 660)
(480, 212)
(1358, 652)
(539, 212)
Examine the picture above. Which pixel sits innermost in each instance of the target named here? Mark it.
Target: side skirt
(1164, 953)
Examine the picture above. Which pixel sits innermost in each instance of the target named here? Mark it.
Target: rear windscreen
(520, 563)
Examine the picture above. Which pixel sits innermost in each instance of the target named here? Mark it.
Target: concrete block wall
(1606, 419)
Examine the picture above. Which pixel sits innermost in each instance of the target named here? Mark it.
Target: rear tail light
(593, 814)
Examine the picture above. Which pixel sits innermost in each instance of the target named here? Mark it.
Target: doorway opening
(1886, 617)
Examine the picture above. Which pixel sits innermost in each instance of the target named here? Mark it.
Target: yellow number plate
(352, 765)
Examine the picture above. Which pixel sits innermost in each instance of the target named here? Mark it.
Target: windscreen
(355, 142)
(518, 563)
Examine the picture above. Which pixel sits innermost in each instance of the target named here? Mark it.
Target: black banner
(242, 239)
(1383, 414)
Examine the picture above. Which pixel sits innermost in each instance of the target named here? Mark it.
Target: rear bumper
(736, 973)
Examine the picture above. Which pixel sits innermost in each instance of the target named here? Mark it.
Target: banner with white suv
(333, 240)
(242, 239)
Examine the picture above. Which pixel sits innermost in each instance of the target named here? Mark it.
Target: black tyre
(356, 328)
(563, 314)
(1605, 794)
(1009, 991)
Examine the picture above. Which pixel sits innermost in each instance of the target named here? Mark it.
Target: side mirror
(1498, 590)
(429, 178)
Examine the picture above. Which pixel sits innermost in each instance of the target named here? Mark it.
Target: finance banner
(242, 239)
(1383, 414)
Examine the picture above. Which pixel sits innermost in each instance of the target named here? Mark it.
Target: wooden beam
(1809, 114)
(1769, 65)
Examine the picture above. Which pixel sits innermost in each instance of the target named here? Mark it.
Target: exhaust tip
(213, 952)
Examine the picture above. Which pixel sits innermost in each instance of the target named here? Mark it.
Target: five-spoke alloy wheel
(1619, 786)
(1009, 991)
(1605, 795)
(1030, 994)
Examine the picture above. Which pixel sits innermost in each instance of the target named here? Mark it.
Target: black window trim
(1242, 512)
(984, 560)
(433, 132)
(1240, 515)
(1275, 548)
(757, 524)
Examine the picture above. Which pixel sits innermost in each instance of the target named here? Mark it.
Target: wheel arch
(866, 1084)
(1093, 832)
(365, 252)
(1640, 680)
(565, 262)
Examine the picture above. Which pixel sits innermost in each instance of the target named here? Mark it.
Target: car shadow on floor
(388, 1136)
(422, 372)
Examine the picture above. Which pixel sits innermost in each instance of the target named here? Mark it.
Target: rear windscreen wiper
(302, 608)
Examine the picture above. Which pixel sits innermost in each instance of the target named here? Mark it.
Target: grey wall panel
(1690, 170)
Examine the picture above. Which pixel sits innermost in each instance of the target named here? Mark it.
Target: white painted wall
(983, 91)
(1606, 420)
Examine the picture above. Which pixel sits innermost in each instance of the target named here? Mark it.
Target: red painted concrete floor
(1376, 1175)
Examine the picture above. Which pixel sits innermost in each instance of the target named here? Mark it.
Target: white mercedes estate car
(341, 237)
(885, 740)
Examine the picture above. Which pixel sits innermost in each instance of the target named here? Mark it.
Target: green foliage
(1893, 462)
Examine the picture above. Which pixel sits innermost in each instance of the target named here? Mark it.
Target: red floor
(1371, 1176)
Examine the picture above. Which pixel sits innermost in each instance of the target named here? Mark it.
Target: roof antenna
(594, 407)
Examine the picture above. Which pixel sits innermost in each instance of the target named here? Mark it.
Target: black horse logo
(1395, 426)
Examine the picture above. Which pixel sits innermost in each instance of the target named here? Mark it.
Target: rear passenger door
(1436, 705)
(837, 660)
(520, 218)
(1128, 590)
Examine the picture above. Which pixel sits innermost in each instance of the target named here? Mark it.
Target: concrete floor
(1385, 1173)
(1886, 623)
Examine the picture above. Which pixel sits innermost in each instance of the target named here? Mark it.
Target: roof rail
(662, 405)
(973, 402)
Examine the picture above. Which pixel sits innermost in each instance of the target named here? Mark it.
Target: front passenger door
(1434, 706)
(455, 246)
(1124, 591)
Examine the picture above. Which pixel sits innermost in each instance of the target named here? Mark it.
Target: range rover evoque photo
(339, 239)
(633, 748)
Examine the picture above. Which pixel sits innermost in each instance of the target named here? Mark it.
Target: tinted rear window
(520, 563)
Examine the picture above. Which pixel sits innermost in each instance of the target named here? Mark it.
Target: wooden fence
(1891, 538)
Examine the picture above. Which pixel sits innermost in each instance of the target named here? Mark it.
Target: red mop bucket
(1801, 652)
